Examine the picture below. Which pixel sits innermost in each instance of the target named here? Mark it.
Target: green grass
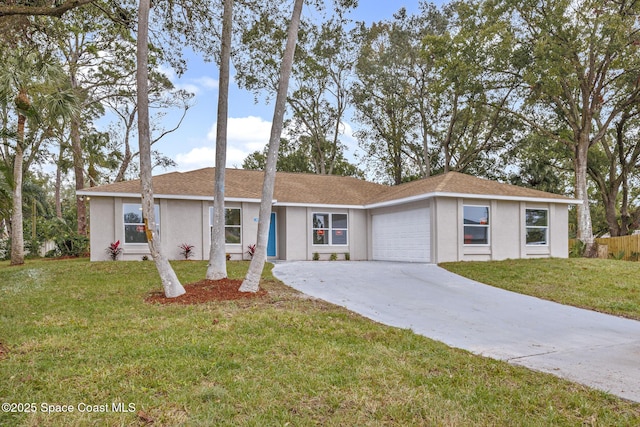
(608, 286)
(80, 333)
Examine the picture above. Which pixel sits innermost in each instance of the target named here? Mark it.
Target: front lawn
(608, 286)
(78, 337)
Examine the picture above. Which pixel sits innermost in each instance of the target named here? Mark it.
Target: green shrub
(577, 250)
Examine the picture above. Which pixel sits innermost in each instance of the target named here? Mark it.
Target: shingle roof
(462, 184)
(310, 189)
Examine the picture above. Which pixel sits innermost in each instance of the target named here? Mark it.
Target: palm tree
(172, 286)
(33, 89)
(217, 269)
(251, 282)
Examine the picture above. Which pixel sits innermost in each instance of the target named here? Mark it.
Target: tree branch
(56, 11)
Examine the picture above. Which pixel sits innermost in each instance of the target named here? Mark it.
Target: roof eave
(319, 205)
(425, 196)
(164, 196)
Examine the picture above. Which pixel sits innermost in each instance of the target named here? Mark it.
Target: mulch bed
(206, 291)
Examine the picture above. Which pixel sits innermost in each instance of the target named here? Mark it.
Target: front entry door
(271, 245)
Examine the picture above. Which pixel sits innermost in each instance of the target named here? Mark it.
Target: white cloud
(244, 136)
(195, 85)
(197, 158)
(207, 82)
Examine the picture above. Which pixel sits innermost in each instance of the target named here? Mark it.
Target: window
(476, 225)
(232, 225)
(537, 225)
(330, 229)
(134, 229)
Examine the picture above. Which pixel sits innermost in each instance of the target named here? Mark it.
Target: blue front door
(271, 245)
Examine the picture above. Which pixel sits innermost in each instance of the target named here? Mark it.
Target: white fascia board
(319, 205)
(471, 196)
(163, 196)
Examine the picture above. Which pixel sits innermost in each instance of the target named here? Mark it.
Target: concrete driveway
(591, 348)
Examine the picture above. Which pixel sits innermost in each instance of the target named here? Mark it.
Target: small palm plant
(114, 250)
(251, 250)
(186, 250)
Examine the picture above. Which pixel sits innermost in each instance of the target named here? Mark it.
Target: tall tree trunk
(585, 230)
(78, 170)
(172, 286)
(217, 268)
(251, 282)
(126, 159)
(17, 232)
(58, 184)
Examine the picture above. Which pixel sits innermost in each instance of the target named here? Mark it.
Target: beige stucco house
(448, 217)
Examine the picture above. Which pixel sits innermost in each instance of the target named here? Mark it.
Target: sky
(192, 146)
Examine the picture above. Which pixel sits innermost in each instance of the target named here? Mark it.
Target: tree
(32, 85)
(576, 66)
(292, 157)
(100, 154)
(393, 93)
(381, 97)
(162, 96)
(320, 98)
(98, 54)
(612, 165)
(469, 128)
(217, 268)
(172, 286)
(251, 283)
(54, 8)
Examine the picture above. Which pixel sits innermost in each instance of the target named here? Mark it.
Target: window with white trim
(330, 229)
(476, 225)
(537, 226)
(134, 227)
(232, 225)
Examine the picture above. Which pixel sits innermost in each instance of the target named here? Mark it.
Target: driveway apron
(598, 350)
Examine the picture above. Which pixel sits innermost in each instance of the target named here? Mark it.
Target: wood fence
(625, 247)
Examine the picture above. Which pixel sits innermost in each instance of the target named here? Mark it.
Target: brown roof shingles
(313, 189)
(459, 183)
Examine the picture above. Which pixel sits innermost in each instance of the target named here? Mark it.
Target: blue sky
(192, 145)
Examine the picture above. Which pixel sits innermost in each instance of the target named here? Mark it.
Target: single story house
(449, 217)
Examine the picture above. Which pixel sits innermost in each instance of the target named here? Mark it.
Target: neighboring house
(449, 217)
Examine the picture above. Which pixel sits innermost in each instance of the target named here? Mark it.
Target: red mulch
(205, 291)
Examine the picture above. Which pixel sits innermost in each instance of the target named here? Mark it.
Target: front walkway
(587, 347)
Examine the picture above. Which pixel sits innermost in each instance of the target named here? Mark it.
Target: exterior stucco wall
(181, 223)
(445, 232)
(102, 222)
(358, 234)
(507, 231)
(296, 238)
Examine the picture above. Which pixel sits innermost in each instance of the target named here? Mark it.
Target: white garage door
(402, 236)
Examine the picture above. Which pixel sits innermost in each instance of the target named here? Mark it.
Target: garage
(402, 236)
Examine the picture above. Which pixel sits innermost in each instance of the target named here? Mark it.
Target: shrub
(316, 256)
(114, 250)
(333, 257)
(5, 249)
(577, 250)
(347, 256)
(186, 250)
(72, 245)
(619, 256)
(251, 250)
